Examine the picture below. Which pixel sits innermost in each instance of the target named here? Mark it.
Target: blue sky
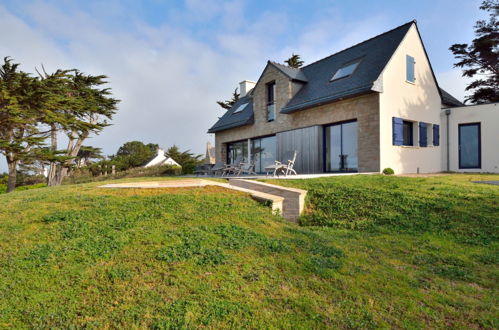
(169, 61)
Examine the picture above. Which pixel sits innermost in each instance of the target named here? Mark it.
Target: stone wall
(364, 108)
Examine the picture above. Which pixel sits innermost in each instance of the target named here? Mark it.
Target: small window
(408, 133)
(410, 69)
(271, 101)
(345, 70)
(240, 108)
(271, 92)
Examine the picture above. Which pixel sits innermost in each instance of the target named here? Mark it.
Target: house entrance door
(341, 147)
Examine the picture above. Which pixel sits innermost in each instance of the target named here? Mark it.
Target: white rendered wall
(488, 117)
(419, 101)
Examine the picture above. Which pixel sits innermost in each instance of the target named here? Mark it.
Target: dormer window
(346, 70)
(271, 101)
(241, 108)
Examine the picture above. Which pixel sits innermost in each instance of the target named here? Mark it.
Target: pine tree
(294, 61)
(229, 103)
(479, 60)
(20, 115)
(89, 110)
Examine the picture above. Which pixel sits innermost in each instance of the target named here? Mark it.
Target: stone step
(294, 199)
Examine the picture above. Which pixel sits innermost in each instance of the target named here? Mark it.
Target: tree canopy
(134, 154)
(186, 159)
(479, 59)
(229, 103)
(32, 109)
(294, 61)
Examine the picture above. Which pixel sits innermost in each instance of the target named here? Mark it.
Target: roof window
(346, 70)
(240, 108)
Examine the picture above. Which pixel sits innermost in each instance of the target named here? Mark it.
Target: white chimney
(245, 87)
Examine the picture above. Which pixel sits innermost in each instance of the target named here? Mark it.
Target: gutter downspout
(447, 114)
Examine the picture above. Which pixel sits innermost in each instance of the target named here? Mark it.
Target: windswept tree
(229, 103)
(57, 102)
(480, 59)
(89, 109)
(34, 108)
(21, 137)
(294, 61)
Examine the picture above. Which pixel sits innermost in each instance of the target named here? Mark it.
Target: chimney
(245, 87)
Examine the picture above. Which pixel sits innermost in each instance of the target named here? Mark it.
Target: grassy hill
(374, 252)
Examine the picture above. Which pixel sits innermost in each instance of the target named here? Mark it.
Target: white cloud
(167, 79)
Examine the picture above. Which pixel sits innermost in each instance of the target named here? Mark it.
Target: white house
(162, 159)
(368, 107)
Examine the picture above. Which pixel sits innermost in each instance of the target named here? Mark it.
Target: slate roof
(231, 119)
(292, 73)
(318, 88)
(373, 53)
(450, 100)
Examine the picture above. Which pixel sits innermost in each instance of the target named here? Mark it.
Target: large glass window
(237, 152)
(341, 147)
(469, 146)
(263, 152)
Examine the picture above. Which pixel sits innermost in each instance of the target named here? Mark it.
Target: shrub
(388, 171)
(84, 175)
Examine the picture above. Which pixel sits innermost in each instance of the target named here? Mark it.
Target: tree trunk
(72, 151)
(53, 166)
(12, 165)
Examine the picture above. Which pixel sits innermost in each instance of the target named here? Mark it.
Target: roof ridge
(284, 65)
(360, 43)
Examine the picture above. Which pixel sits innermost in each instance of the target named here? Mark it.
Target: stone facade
(364, 108)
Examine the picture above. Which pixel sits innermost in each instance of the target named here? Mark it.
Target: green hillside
(374, 252)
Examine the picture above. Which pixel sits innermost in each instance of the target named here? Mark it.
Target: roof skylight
(240, 108)
(346, 70)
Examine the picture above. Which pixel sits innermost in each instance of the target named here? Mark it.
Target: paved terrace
(281, 177)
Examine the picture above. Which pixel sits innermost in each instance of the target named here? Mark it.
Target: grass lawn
(373, 251)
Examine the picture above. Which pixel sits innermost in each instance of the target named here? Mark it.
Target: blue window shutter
(436, 135)
(423, 140)
(398, 131)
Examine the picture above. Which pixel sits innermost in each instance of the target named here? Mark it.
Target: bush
(388, 171)
(85, 174)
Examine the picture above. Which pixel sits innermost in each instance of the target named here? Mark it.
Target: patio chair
(232, 168)
(204, 169)
(284, 168)
(218, 168)
(246, 168)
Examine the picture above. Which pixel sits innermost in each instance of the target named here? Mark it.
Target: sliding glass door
(237, 152)
(469, 146)
(341, 147)
(263, 152)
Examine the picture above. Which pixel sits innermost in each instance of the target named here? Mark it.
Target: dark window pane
(270, 92)
(237, 152)
(341, 147)
(408, 133)
(469, 146)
